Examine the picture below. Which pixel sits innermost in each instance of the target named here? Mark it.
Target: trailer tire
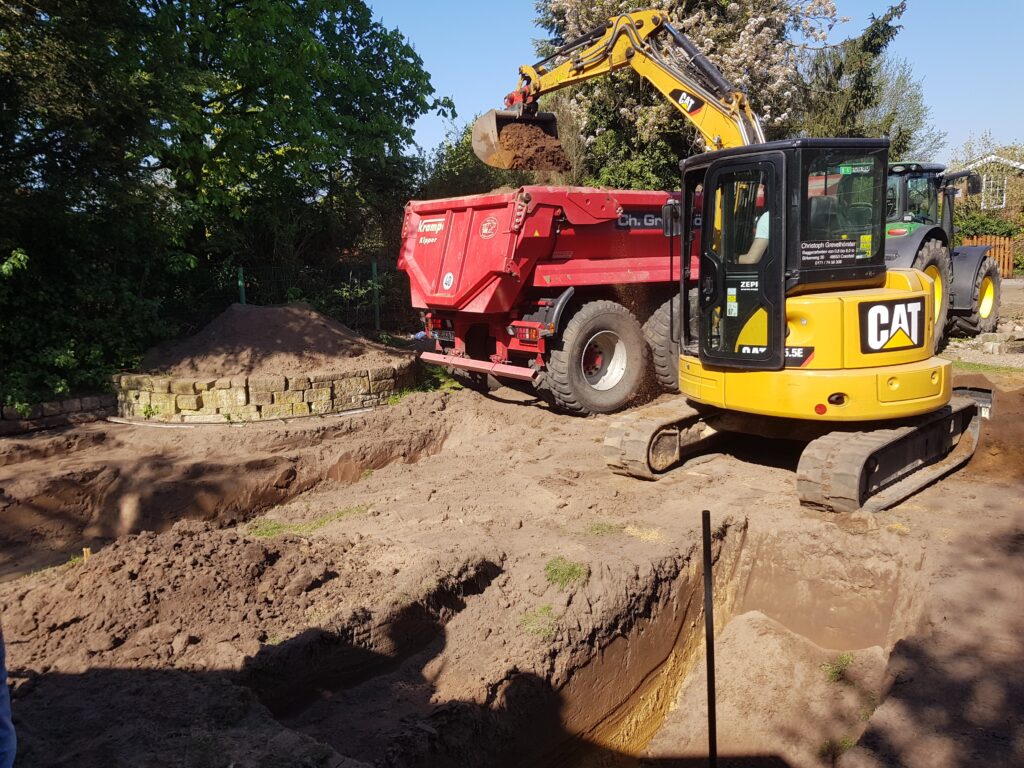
(658, 331)
(984, 316)
(934, 260)
(599, 362)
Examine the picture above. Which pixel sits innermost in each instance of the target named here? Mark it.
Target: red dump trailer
(550, 286)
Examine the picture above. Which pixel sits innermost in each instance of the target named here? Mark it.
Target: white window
(993, 191)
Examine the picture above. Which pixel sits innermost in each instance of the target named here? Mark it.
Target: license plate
(443, 334)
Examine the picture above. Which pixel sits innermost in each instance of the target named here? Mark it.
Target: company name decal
(432, 228)
(886, 326)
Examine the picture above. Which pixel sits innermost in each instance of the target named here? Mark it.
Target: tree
(842, 90)
(900, 102)
(633, 136)
(146, 145)
(452, 169)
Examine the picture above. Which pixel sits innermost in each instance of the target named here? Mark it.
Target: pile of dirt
(246, 339)
(199, 597)
(527, 148)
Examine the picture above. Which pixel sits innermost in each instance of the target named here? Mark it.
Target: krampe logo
(432, 225)
(887, 326)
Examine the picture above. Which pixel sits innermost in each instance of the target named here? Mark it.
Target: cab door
(742, 294)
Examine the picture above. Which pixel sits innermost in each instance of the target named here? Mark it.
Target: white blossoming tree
(634, 137)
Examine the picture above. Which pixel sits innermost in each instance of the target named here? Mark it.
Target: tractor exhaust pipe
(507, 139)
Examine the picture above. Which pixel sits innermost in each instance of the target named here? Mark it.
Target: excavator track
(649, 441)
(877, 469)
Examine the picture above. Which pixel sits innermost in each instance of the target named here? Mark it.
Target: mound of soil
(200, 597)
(528, 148)
(246, 339)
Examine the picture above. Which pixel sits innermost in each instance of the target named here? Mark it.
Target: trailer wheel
(933, 259)
(659, 330)
(984, 315)
(600, 360)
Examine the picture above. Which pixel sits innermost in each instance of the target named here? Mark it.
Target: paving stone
(71, 406)
(301, 409)
(224, 383)
(384, 372)
(266, 383)
(160, 384)
(203, 418)
(183, 386)
(298, 382)
(261, 398)
(289, 396)
(318, 395)
(276, 411)
(227, 398)
(50, 409)
(189, 402)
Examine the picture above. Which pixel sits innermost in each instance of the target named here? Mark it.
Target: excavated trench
(93, 485)
(625, 691)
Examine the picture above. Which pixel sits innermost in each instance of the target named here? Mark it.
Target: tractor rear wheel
(933, 259)
(984, 315)
(599, 362)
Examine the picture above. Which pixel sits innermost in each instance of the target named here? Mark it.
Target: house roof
(994, 159)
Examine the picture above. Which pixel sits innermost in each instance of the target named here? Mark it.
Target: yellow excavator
(654, 48)
(801, 332)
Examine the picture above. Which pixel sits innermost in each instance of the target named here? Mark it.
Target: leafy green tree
(901, 97)
(453, 169)
(843, 85)
(149, 146)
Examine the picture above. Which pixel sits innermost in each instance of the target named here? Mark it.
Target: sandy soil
(525, 147)
(247, 339)
(388, 591)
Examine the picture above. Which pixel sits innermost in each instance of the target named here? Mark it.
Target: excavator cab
(781, 218)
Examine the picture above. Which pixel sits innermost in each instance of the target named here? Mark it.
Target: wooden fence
(1002, 251)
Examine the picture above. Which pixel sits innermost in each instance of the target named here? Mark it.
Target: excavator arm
(647, 42)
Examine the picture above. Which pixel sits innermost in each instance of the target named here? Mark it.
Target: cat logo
(690, 103)
(888, 326)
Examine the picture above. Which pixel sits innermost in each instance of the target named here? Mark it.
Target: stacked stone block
(257, 397)
(57, 413)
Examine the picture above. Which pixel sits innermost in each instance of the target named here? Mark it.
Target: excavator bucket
(509, 140)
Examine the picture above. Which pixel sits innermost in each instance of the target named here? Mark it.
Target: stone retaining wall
(57, 413)
(256, 397)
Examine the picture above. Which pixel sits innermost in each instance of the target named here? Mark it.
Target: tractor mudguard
(966, 263)
(901, 250)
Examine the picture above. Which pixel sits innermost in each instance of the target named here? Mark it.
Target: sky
(970, 55)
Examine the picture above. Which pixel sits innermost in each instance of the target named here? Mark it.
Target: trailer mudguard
(966, 263)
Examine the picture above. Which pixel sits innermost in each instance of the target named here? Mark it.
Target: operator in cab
(760, 243)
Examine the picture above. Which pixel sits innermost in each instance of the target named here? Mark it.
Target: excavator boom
(643, 40)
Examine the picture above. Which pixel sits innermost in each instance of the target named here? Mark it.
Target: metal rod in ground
(376, 296)
(709, 641)
(241, 285)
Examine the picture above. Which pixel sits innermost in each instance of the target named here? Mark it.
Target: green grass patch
(541, 621)
(835, 670)
(603, 529)
(832, 749)
(429, 378)
(963, 365)
(265, 529)
(562, 572)
(74, 560)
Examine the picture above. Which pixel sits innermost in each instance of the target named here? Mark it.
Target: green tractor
(918, 235)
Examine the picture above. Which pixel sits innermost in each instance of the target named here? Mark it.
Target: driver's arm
(760, 244)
